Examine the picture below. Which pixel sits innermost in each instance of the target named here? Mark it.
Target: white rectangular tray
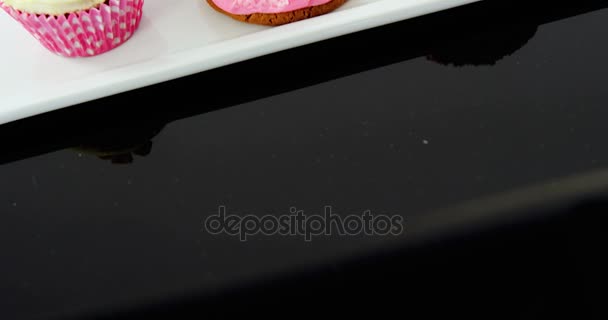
(176, 38)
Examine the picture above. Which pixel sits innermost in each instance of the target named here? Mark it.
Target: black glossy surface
(406, 119)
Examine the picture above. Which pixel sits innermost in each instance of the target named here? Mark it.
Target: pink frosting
(265, 6)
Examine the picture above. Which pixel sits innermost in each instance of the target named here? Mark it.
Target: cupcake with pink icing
(274, 12)
(77, 28)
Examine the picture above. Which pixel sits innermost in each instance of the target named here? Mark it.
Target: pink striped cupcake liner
(84, 33)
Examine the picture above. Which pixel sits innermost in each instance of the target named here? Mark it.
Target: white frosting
(52, 7)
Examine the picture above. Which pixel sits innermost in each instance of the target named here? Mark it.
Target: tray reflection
(115, 130)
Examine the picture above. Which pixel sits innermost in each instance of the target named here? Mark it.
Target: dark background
(102, 204)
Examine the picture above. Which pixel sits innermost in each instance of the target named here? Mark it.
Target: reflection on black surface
(119, 156)
(483, 46)
(478, 34)
(120, 145)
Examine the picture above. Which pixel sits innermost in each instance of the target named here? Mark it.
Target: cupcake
(274, 12)
(77, 28)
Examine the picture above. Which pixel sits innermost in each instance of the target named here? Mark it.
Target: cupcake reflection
(117, 156)
(120, 146)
